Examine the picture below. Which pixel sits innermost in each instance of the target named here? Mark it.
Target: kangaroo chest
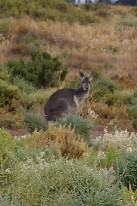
(79, 99)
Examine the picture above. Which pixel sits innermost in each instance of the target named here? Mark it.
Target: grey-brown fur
(67, 99)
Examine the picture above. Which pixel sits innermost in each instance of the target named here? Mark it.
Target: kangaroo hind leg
(61, 107)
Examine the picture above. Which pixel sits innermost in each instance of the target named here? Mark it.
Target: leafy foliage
(56, 10)
(104, 89)
(74, 121)
(62, 183)
(23, 85)
(7, 147)
(8, 94)
(36, 99)
(112, 155)
(11, 119)
(39, 70)
(127, 170)
(34, 121)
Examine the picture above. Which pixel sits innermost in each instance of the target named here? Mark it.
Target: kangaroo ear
(91, 76)
(82, 76)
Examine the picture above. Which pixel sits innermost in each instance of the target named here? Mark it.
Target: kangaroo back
(67, 99)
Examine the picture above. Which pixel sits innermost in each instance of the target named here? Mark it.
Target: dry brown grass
(119, 9)
(60, 139)
(82, 47)
(23, 26)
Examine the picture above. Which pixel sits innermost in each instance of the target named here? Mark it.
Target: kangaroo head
(86, 81)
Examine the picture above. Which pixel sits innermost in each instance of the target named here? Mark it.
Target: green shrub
(4, 74)
(8, 94)
(36, 99)
(104, 159)
(7, 147)
(23, 85)
(62, 6)
(120, 98)
(112, 155)
(10, 119)
(61, 183)
(56, 10)
(34, 121)
(128, 21)
(4, 26)
(81, 126)
(39, 70)
(33, 41)
(24, 152)
(103, 90)
(81, 16)
(91, 158)
(132, 100)
(95, 7)
(127, 170)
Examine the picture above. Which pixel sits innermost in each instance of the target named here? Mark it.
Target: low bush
(106, 157)
(128, 21)
(81, 126)
(33, 41)
(36, 99)
(24, 152)
(23, 85)
(104, 90)
(85, 19)
(39, 70)
(127, 170)
(129, 195)
(8, 94)
(95, 7)
(61, 183)
(61, 140)
(58, 10)
(109, 159)
(33, 120)
(4, 74)
(13, 119)
(7, 147)
(4, 26)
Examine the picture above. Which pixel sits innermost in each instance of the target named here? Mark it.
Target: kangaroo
(65, 100)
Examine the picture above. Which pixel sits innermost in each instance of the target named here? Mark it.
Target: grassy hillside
(108, 48)
(43, 46)
(57, 10)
